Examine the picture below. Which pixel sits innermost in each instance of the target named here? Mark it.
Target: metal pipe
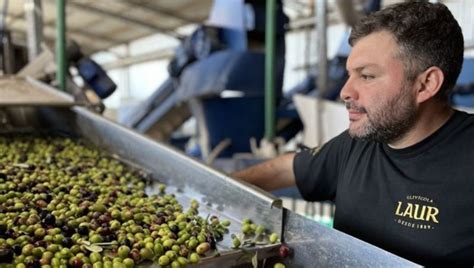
(61, 64)
(8, 58)
(270, 70)
(322, 76)
(34, 27)
(321, 24)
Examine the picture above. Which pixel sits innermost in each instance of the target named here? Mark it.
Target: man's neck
(428, 122)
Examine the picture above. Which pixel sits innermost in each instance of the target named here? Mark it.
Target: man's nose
(348, 91)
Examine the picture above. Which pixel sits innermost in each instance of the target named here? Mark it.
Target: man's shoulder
(464, 119)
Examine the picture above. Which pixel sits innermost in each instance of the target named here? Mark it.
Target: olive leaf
(94, 248)
(21, 165)
(84, 242)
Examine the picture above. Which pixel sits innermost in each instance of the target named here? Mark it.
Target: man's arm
(270, 175)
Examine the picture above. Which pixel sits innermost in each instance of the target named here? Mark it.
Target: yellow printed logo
(417, 212)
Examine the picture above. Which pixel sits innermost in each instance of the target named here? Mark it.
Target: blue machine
(94, 76)
(223, 58)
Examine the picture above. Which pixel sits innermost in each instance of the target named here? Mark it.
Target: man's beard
(389, 121)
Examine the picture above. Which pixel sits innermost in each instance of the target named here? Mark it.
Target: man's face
(381, 103)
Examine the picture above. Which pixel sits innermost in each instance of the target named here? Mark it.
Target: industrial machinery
(29, 106)
(217, 75)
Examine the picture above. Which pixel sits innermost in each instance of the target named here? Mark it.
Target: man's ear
(429, 83)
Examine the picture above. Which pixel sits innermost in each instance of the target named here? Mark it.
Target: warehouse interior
(186, 92)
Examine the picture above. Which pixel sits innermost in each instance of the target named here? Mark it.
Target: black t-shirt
(417, 202)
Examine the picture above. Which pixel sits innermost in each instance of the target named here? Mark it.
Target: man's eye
(367, 77)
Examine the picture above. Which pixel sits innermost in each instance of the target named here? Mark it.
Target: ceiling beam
(75, 31)
(121, 17)
(147, 5)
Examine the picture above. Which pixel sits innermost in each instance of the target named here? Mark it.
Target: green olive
(273, 238)
(146, 254)
(123, 251)
(260, 230)
(203, 248)
(129, 263)
(175, 264)
(236, 242)
(95, 257)
(164, 260)
(194, 258)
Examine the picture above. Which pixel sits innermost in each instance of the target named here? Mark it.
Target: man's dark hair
(428, 35)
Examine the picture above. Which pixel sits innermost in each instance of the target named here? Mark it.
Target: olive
(284, 251)
(246, 229)
(49, 220)
(17, 249)
(123, 251)
(27, 250)
(203, 248)
(128, 262)
(38, 252)
(108, 264)
(158, 249)
(83, 230)
(135, 255)
(68, 231)
(95, 238)
(183, 261)
(146, 254)
(3, 227)
(68, 198)
(33, 264)
(273, 238)
(236, 242)
(175, 264)
(6, 254)
(194, 258)
(260, 230)
(67, 242)
(164, 260)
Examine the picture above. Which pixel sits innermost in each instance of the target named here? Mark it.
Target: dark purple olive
(284, 251)
(6, 254)
(17, 249)
(41, 243)
(10, 234)
(3, 229)
(49, 219)
(76, 263)
(83, 230)
(67, 242)
(210, 239)
(43, 213)
(33, 263)
(68, 231)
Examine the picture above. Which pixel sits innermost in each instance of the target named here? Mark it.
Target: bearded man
(401, 176)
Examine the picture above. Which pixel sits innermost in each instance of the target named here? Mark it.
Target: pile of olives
(64, 203)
